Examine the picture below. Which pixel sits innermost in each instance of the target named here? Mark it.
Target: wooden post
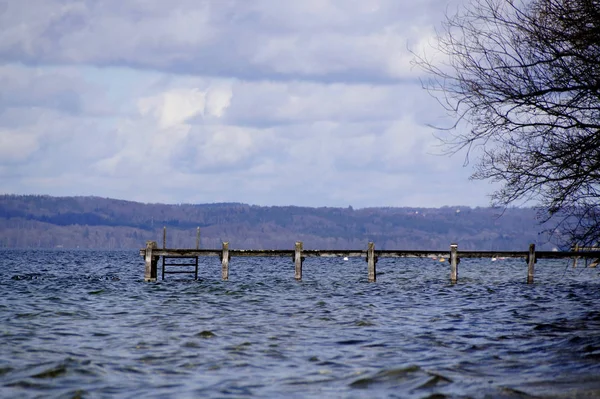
(530, 263)
(371, 262)
(198, 238)
(453, 263)
(298, 260)
(164, 237)
(225, 261)
(576, 257)
(151, 261)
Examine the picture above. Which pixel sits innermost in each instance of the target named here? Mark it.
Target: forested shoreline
(37, 221)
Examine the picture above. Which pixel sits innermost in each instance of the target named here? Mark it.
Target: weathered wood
(187, 265)
(298, 261)
(565, 254)
(225, 261)
(184, 253)
(152, 254)
(531, 263)
(340, 253)
(371, 262)
(164, 237)
(178, 272)
(454, 263)
(151, 262)
(179, 265)
(575, 258)
(198, 238)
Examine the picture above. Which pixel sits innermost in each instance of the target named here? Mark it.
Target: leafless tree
(522, 80)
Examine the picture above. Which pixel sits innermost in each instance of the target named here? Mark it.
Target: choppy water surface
(84, 324)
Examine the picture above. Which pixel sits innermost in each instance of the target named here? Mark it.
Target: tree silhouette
(522, 80)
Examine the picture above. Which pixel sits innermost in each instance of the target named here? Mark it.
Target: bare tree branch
(524, 76)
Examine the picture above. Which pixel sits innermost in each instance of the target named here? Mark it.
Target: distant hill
(37, 221)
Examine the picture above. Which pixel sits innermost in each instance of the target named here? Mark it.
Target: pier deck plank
(381, 253)
(152, 254)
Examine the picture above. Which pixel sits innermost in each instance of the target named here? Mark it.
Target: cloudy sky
(267, 102)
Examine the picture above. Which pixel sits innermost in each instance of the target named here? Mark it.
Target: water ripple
(83, 323)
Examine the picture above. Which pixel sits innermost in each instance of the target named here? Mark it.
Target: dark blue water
(84, 324)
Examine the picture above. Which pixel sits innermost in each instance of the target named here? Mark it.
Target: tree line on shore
(101, 223)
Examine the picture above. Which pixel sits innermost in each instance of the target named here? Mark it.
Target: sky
(265, 102)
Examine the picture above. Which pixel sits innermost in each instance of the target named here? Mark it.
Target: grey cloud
(320, 41)
(63, 91)
(310, 94)
(21, 89)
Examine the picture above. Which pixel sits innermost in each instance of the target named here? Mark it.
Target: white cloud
(174, 107)
(218, 99)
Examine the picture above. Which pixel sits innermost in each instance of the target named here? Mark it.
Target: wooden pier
(189, 257)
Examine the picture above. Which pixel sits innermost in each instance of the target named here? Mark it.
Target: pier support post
(298, 259)
(164, 237)
(151, 262)
(225, 261)
(371, 262)
(454, 263)
(531, 260)
(576, 249)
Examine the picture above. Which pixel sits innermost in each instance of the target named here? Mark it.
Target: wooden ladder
(180, 265)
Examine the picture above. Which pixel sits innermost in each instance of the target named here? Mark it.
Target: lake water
(84, 324)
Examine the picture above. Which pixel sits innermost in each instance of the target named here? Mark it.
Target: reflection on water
(82, 323)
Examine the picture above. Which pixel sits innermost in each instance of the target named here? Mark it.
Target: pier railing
(152, 254)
